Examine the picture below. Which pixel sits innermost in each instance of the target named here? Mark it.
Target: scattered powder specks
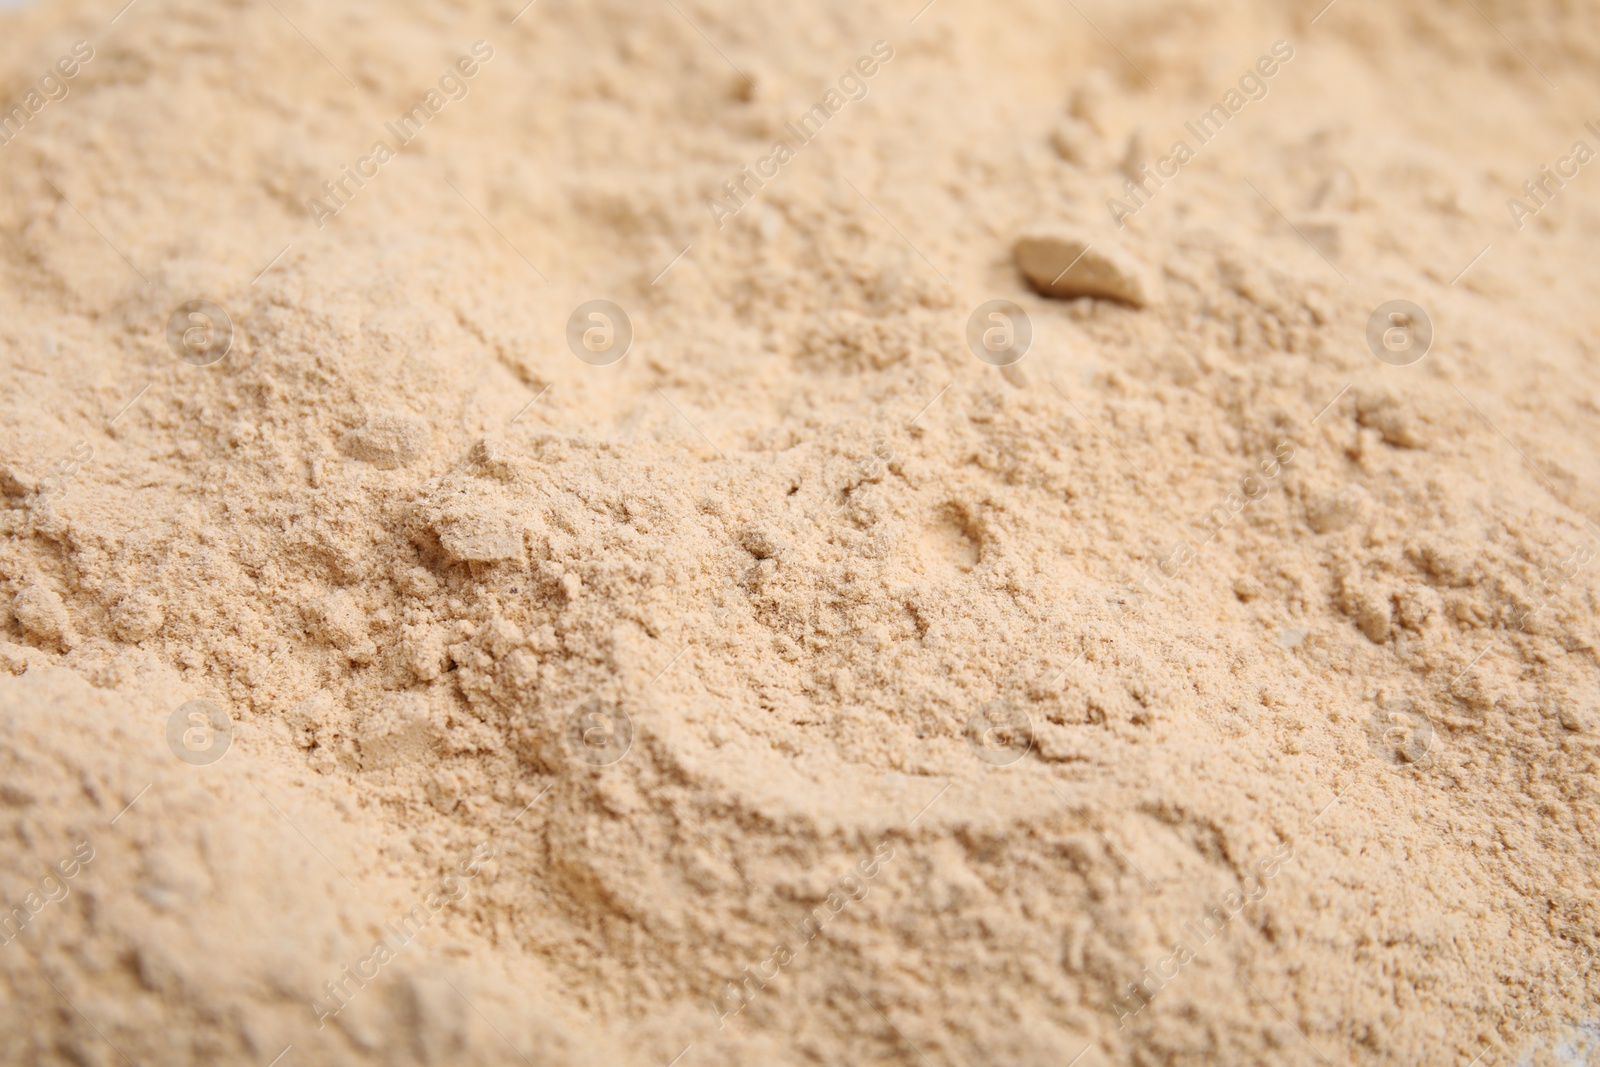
(799, 688)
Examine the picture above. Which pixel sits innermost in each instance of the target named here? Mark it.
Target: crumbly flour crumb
(584, 534)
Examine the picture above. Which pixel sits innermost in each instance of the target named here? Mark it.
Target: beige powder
(427, 686)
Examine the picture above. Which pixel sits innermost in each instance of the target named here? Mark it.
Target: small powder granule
(698, 534)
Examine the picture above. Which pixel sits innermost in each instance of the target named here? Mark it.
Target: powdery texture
(957, 700)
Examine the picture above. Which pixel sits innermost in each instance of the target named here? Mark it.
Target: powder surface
(405, 659)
